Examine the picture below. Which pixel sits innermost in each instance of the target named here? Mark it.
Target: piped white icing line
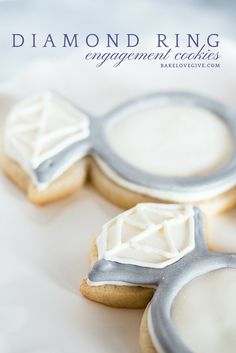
(39, 128)
(118, 283)
(148, 235)
(166, 195)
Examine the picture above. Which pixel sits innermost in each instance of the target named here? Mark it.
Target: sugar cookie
(165, 147)
(36, 130)
(156, 254)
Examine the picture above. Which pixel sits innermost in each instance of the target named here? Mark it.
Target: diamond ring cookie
(170, 147)
(154, 256)
(35, 131)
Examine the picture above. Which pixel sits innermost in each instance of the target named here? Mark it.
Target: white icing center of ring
(174, 140)
(204, 313)
(149, 235)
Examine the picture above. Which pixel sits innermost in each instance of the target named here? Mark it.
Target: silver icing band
(170, 280)
(97, 144)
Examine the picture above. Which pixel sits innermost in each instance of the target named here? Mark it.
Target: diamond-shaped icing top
(150, 235)
(39, 128)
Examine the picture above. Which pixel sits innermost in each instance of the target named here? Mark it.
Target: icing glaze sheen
(204, 312)
(174, 140)
(39, 128)
(149, 235)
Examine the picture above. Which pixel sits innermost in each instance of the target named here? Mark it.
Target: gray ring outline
(169, 281)
(97, 143)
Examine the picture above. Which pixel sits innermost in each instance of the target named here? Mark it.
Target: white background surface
(44, 251)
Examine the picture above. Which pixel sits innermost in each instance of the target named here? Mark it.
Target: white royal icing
(39, 128)
(205, 315)
(173, 140)
(148, 235)
(118, 283)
